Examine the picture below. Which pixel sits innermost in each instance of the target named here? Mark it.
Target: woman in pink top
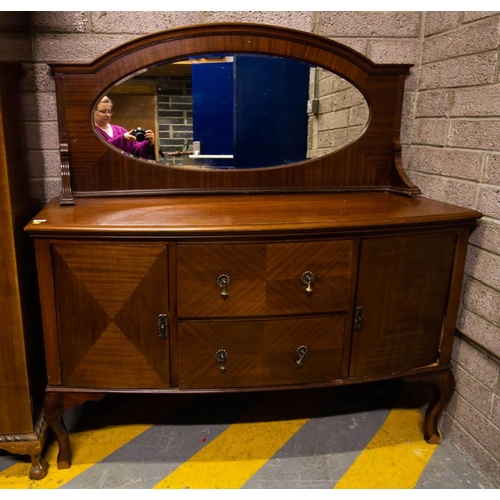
(120, 137)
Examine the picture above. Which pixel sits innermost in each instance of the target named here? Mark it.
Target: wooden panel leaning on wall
(22, 370)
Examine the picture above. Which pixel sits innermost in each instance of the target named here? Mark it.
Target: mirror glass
(232, 111)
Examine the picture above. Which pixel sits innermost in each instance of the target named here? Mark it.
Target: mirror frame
(90, 168)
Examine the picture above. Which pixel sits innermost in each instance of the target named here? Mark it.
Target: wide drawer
(264, 279)
(260, 353)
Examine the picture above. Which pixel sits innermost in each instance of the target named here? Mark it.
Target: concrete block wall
(450, 137)
(453, 154)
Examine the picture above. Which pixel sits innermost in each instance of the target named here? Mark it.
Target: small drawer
(223, 354)
(264, 279)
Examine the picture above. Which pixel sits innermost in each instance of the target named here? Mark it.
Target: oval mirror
(233, 111)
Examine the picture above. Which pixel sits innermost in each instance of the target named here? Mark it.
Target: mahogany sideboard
(329, 271)
(248, 292)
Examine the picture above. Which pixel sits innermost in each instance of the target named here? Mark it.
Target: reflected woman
(119, 136)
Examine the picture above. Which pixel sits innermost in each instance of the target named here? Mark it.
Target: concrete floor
(366, 436)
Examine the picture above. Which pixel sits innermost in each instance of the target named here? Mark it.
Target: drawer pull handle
(224, 281)
(221, 356)
(308, 279)
(302, 352)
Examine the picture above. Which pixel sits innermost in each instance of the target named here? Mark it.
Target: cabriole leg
(443, 386)
(54, 408)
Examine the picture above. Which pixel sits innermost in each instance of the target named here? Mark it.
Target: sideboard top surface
(236, 214)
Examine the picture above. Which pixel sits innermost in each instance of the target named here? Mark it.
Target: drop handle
(302, 352)
(308, 280)
(224, 281)
(221, 356)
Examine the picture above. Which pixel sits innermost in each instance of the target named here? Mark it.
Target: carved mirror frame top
(371, 163)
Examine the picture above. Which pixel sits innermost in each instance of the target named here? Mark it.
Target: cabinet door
(108, 300)
(403, 285)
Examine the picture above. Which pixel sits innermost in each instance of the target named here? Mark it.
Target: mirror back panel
(89, 167)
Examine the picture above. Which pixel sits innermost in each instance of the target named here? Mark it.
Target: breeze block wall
(454, 155)
(450, 136)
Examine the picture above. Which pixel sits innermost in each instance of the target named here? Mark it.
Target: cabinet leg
(39, 467)
(443, 386)
(54, 408)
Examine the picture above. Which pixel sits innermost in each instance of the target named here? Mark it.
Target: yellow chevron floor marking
(234, 456)
(394, 458)
(88, 447)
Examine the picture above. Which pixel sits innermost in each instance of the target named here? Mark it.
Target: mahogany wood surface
(404, 291)
(265, 278)
(23, 427)
(117, 273)
(15, 394)
(260, 353)
(117, 292)
(372, 162)
(443, 386)
(225, 215)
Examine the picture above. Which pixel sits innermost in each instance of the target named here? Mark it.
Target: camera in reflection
(139, 133)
